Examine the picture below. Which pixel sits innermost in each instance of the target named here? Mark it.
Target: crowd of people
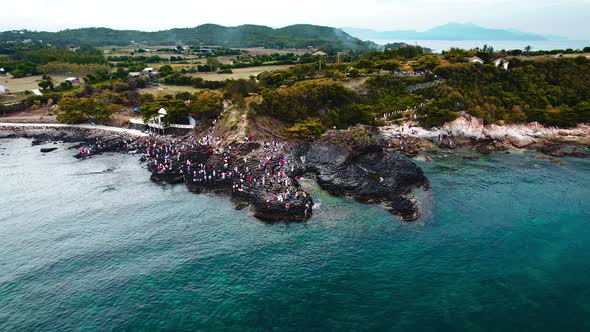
(263, 171)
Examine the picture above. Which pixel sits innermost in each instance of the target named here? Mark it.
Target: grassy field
(164, 89)
(239, 73)
(16, 85)
(262, 50)
(540, 57)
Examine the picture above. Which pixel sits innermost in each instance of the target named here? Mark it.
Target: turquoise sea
(537, 45)
(94, 245)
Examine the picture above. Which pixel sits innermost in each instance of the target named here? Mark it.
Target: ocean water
(537, 45)
(93, 245)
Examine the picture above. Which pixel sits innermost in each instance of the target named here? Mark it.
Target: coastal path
(119, 130)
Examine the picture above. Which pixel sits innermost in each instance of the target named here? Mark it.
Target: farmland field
(163, 89)
(239, 73)
(16, 85)
(262, 51)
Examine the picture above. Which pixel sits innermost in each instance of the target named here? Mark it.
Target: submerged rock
(470, 158)
(45, 150)
(561, 150)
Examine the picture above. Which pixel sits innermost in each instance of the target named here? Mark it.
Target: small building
(320, 53)
(476, 59)
(73, 80)
(149, 71)
(4, 89)
(37, 92)
(191, 120)
(501, 62)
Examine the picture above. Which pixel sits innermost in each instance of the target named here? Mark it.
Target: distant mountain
(450, 31)
(294, 36)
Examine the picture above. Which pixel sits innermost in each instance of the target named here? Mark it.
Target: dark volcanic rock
(368, 174)
(560, 150)
(45, 150)
(470, 157)
(483, 149)
(242, 205)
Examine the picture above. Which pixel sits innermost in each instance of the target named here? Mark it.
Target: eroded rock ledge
(367, 173)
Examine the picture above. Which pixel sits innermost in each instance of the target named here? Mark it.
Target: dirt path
(231, 127)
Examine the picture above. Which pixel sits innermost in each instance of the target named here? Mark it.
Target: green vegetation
(334, 90)
(552, 92)
(176, 110)
(324, 99)
(53, 61)
(76, 110)
(294, 36)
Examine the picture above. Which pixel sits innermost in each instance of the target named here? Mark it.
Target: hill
(294, 36)
(450, 31)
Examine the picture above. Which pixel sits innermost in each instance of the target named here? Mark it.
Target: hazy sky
(570, 18)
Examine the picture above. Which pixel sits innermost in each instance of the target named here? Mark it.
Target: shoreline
(467, 131)
(120, 130)
(261, 177)
(367, 171)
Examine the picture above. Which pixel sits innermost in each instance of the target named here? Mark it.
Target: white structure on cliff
(476, 59)
(501, 61)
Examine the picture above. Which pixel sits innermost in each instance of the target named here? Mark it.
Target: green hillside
(294, 36)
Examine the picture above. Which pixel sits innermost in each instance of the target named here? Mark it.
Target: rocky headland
(263, 176)
(368, 164)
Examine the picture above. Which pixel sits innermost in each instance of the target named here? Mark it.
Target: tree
(213, 63)
(73, 110)
(306, 129)
(165, 70)
(455, 55)
(391, 65)
(177, 112)
(185, 95)
(207, 105)
(46, 85)
(150, 109)
(426, 62)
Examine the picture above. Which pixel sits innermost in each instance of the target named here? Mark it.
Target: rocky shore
(262, 176)
(468, 131)
(367, 173)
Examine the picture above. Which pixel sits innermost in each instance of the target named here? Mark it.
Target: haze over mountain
(293, 36)
(449, 31)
